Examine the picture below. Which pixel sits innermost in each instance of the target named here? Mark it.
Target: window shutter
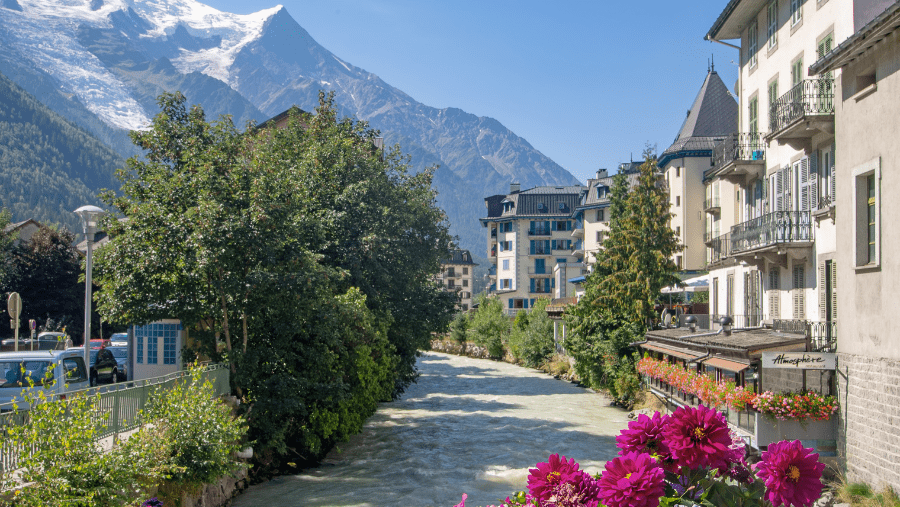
(804, 179)
(823, 312)
(799, 305)
(532, 285)
(815, 175)
(525, 304)
(779, 190)
(532, 247)
(553, 225)
(774, 299)
(510, 302)
(833, 174)
(834, 290)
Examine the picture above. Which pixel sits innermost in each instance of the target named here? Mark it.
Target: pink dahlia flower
(557, 470)
(644, 435)
(698, 437)
(632, 480)
(792, 474)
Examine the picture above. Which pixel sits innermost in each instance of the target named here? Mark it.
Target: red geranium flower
(792, 474)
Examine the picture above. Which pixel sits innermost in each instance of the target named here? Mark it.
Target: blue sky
(588, 83)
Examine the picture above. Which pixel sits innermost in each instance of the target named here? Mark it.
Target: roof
(749, 342)
(459, 257)
(860, 42)
(713, 116)
(592, 198)
(734, 18)
(538, 202)
(19, 225)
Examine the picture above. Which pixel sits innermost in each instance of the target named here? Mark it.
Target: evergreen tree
(633, 266)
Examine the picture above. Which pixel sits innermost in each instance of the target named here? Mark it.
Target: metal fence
(119, 405)
(750, 146)
(822, 336)
(773, 228)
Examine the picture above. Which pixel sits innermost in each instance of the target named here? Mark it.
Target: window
(677, 200)
(465, 271)
(152, 350)
(600, 214)
(678, 231)
(506, 283)
(451, 284)
(773, 96)
(139, 338)
(540, 266)
(505, 264)
(561, 261)
(798, 293)
(562, 225)
(677, 172)
(465, 283)
(867, 211)
(678, 261)
(465, 307)
(506, 227)
(73, 368)
(506, 246)
(753, 114)
(451, 272)
(599, 237)
(797, 71)
(772, 23)
(796, 11)
(752, 42)
(169, 338)
(774, 300)
(541, 285)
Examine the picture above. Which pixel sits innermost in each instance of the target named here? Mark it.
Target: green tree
(44, 271)
(459, 328)
(633, 266)
(538, 344)
(490, 326)
(304, 250)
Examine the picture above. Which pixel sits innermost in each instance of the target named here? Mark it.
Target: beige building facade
(867, 169)
(458, 275)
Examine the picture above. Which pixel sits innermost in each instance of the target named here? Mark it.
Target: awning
(725, 364)
(681, 354)
(577, 279)
(697, 284)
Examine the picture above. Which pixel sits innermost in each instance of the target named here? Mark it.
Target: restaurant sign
(799, 360)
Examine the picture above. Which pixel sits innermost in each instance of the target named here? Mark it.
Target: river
(468, 426)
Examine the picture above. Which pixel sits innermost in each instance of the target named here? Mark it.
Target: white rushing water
(468, 426)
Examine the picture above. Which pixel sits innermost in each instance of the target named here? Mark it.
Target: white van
(55, 371)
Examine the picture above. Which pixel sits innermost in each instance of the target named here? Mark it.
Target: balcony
(712, 205)
(539, 271)
(493, 252)
(539, 231)
(738, 156)
(822, 336)
(719, 248)
(494, 233)
(802, 112)
(541, 250)
(709, 236)
(775, 230)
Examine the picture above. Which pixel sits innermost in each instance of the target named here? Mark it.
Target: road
(468, 426)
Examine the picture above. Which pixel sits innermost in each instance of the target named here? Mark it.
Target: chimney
(514, 188)
(602, 173)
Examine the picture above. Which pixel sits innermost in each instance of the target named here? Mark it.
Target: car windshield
(94, 356)
(118, 353)
(18, 373)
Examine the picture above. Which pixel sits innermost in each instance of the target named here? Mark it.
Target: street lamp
(89, 216)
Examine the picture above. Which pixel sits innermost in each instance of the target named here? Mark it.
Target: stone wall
(869, 422)
(780, 380)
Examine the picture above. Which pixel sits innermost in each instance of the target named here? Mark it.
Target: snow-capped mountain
(114, 57)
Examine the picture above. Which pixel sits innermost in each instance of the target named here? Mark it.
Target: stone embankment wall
(471, 350)
(869, 423)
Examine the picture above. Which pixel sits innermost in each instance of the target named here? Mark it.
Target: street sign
(14, 305)
(32, 324)
(799, 360)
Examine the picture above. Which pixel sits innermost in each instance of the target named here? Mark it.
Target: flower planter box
(820, 435)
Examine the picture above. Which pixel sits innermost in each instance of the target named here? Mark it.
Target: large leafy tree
(301, 253)
(44, 271)
(633, 266)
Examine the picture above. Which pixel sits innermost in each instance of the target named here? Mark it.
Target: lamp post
(89, 216)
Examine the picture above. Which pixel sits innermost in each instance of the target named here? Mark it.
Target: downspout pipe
(722, 42)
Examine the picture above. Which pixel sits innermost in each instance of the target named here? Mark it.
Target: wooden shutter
(815, 176)
(806, 180)
(833, 174)
(834, 290)
(823, 295)
(774, 294)
(799, 301)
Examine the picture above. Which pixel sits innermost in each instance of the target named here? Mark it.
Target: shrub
(459, 328)
(537, 343)
(489, 326)
(201, 433)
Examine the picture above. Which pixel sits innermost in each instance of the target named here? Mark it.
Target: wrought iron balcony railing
(737, 147)
(719, 248)
(539, 231)
(774, 228)
(808, 97)
(822, 335)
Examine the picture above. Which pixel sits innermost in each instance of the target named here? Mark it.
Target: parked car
(97, 343)
(41, 369)
(47, 340)
(104, 367)
(119, 339)
(121, 355)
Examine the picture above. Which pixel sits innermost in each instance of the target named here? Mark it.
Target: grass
(859, 494)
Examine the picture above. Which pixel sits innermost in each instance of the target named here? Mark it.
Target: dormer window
(562, 206)
(601, 192)
(541, 207)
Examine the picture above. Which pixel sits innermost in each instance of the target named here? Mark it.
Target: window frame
(753, 113)
(796, 12)
(752, 43)
(867, 232)
(772, 24)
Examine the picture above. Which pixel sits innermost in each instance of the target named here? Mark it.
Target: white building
(458, 275)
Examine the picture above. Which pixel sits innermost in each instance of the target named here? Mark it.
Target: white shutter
(823, 296)
(774, 299)
(814, 178)
(803, 181)
(834, 291)
(833, 174)
(799, 301)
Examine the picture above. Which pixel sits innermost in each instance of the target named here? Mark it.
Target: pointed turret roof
(713, 116)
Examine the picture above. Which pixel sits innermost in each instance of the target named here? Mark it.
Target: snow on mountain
(45, 31)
